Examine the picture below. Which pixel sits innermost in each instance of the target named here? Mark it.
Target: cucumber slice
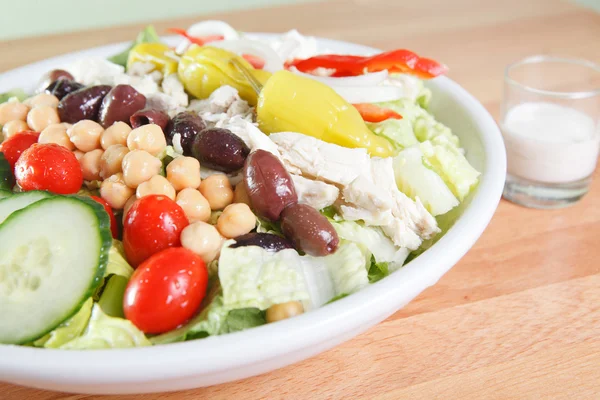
(7, 180)
(53, 255)
(5, 193)
(18, 201)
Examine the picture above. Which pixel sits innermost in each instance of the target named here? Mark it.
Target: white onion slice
(370, 79)
(212, 27)
(273, 62)
(368, 94)
(207, 28)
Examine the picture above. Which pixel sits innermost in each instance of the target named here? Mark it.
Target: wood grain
(519, 316)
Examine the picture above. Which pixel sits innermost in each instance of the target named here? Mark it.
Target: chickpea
(139, 166)
(14, 126)
(112, 160)
(13, 110)
(194, 205)
(203, 239)
(117, 133)
(127, 206)
(147, 137)
(240, 195)
(115, 191)
(90, 165)
(40, 117)
(42, 99)
(278, 312)
(56, 133)
(217, 190)
(78, 154)
(184, 172)
(85, 135)
(156, 185)
(237, 220)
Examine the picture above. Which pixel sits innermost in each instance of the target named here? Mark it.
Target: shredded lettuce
(148, 35)
(256, 278)
(415, 179)
(104, 332)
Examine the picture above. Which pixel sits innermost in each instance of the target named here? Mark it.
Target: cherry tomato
(114, 229)
(166, 290)
(49, 167)
(17, 144)
(152, 224)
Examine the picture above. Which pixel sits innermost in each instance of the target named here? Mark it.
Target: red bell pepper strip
(394, 61)
(373, 113)
(200, 41)
(255, 61)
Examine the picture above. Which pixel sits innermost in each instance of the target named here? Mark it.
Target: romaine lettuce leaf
(148, 35)
(208, 322)
(243, 318)
(255, 278)
(450, 164)
(372, 241)
(378, 270)
(398, 131)
(117, 264)
(426, 128)
(415, 179)
(111, 300)
(19, 94)
(264, 226)
(104, 332)
(424, 125)
(68, 330)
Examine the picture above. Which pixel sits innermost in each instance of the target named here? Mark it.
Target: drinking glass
(550, 122)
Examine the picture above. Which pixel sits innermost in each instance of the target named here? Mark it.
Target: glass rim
(543, 58)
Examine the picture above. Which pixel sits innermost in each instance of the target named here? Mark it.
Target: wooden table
(519, 316)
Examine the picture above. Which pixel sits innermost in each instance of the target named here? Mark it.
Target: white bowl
(239, 355)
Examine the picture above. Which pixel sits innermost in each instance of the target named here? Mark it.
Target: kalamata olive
(268, 184)
(56, 74)
(309, 230)
(62, 87)
(120, 104)
(267, 241)
(52, 76)
(148, 116)
(82, 104)
(187, 124)
(220, 149)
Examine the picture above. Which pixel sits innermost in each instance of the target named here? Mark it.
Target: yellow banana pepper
(159, 54)
(204, 69)
(292, 103)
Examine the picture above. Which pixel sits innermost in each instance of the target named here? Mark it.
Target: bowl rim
(185, 359)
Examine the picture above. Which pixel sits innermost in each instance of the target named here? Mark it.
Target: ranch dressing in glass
(550, 143)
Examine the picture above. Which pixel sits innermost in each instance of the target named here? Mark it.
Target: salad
(173, 193)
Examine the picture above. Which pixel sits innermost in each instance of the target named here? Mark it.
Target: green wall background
(38, 17)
